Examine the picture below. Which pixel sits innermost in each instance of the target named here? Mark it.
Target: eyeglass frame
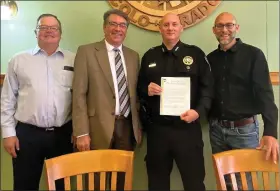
(228, 26)
(114, 24)
(45, 28)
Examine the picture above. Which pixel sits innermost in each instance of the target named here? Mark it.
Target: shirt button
(114, 97)
(223, 90)
(223, 78)
(113, 113)
(223, 115)
(222, 102)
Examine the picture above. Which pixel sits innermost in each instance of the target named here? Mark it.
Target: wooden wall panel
(273, 75)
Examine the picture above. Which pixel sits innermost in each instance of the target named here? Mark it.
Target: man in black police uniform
(175, 137)
(242, 90)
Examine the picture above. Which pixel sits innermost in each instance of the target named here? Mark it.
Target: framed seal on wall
(147, 14)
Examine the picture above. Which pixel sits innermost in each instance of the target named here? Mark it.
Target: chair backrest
(245, 160)
(88, 162)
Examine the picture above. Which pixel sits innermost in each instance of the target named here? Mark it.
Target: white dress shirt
(37, 90)
(111, 55)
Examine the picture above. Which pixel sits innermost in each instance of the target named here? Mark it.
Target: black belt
(236, 123)
(46, 129)
(122, 117)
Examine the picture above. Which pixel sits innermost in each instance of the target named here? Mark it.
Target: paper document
(175, 95)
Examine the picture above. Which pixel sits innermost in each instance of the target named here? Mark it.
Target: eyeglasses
(227, 25)
(121, 25)
(44, 28)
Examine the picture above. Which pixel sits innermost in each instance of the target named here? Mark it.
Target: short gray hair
(114, 12)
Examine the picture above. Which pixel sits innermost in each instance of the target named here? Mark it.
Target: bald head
(170, 16)
(225, 30)
(170, 28)
(225, 16)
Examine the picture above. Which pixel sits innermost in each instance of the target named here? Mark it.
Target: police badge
(188, 60)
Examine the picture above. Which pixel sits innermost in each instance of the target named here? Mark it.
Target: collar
(37, 50)
(235, 47)
(109, 47)
(174, 50)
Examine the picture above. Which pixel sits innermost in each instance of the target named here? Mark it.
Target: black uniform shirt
(242, 86)
(160, 62)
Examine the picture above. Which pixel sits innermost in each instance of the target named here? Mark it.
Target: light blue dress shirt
(37, 90)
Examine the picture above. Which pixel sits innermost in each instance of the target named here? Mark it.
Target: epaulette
(190, 46)
(155, 47)
(187, 45)
(195, 47)
(150, 50)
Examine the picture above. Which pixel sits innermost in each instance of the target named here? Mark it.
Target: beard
(226, 41)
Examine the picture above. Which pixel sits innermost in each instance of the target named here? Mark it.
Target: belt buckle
(227, 123)
(118, 117)
(49, 129)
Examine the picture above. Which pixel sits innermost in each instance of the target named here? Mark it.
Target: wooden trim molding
(2, 76)
(274, 76)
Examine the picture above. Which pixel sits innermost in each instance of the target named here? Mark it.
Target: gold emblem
(147, 14)
(188, 60)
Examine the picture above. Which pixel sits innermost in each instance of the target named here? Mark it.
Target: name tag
(69, 68)
(152, 65)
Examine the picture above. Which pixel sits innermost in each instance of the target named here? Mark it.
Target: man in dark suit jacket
(105, 112)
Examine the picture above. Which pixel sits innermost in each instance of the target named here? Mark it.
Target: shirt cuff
(82, 135)
(8, 132)
(200, 110)
(270, 132)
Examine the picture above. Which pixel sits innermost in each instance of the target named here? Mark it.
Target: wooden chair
(244, 160)
(88, 162)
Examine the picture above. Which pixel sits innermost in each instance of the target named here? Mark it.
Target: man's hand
(83, 143)
(189, 116)
(271, 147)
(11, 144)
(154, 89)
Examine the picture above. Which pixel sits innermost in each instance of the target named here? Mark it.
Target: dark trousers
(168, 143)
(36, 145)
(123, 139)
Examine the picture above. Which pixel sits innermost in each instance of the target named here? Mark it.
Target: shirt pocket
(153, 73)
(187, 70)
(66, 78)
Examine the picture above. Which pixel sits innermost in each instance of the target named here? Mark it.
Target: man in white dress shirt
(36, 105)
